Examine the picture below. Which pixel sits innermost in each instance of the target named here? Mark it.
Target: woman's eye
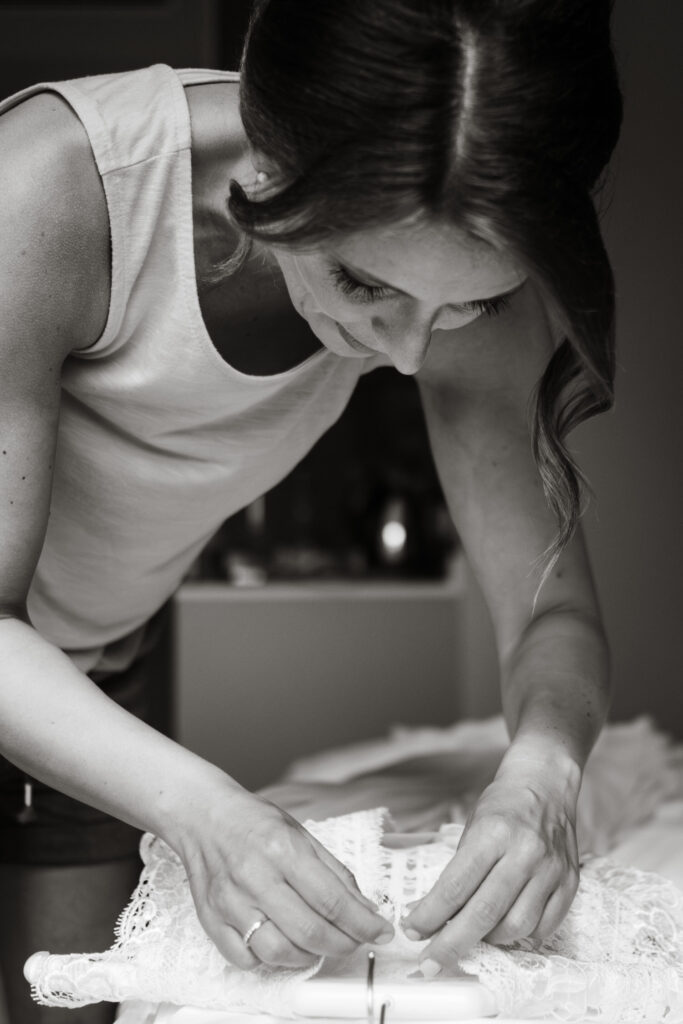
(490, 307)
(348, 284)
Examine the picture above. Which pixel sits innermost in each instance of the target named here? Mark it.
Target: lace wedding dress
(617, 957)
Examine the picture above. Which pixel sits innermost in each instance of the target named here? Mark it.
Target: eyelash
(348, 285)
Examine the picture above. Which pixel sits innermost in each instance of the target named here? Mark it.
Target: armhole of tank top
(89, 116)
(99, 144)
(91, 120)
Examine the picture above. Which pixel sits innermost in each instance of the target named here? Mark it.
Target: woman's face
(389, 290)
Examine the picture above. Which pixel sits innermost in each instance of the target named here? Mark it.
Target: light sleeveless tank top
(160, 440)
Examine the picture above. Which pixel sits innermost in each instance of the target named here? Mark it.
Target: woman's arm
(245, 858)
(476, 391)
(476, 388)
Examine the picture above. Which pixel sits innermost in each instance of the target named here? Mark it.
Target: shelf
(330, 590)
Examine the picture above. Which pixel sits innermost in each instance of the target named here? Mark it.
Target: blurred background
(348, 576)
(341, 603)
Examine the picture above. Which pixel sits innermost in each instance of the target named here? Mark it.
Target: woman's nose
(405, 341)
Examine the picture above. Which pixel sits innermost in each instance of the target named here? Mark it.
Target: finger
(229, 942)
(214, 907)
(274, 948)
(327, 895)
(229, 915)
(556, 908)
(480, 915)
(268, 943)
(456, 885)
(525, 913)
(305, 928)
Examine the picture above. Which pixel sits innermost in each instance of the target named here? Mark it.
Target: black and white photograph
(341, 575)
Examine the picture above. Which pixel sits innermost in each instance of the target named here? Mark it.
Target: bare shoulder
(54, 228)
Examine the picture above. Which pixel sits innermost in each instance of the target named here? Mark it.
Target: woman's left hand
(516, 869)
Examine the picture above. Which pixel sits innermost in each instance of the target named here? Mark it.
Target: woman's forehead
(427, 261)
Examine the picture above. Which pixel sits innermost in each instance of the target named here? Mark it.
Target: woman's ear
(265, 169)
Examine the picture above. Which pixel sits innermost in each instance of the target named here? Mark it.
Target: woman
(414, 180)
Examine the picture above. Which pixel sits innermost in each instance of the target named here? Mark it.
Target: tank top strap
(204, 76)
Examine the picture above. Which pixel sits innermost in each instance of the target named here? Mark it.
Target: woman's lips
(350, 340)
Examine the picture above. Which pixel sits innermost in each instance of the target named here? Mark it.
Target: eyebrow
(370, 279)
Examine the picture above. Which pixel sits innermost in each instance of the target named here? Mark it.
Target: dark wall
(44, 42)
(632, 455)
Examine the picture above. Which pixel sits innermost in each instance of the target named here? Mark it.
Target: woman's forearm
(60, 728)
(555, 688)
(240, 852)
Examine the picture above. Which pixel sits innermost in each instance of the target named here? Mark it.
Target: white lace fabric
(617, 957)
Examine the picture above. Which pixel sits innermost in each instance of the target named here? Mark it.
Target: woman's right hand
(251, 860)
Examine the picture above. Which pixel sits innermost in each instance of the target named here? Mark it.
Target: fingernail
(383, 938)
(430, 968)
(410, 933)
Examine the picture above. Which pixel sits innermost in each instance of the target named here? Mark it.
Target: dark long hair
(498, 116)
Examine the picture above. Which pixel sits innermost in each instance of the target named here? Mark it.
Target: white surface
(443, 999)
(187, 1015)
